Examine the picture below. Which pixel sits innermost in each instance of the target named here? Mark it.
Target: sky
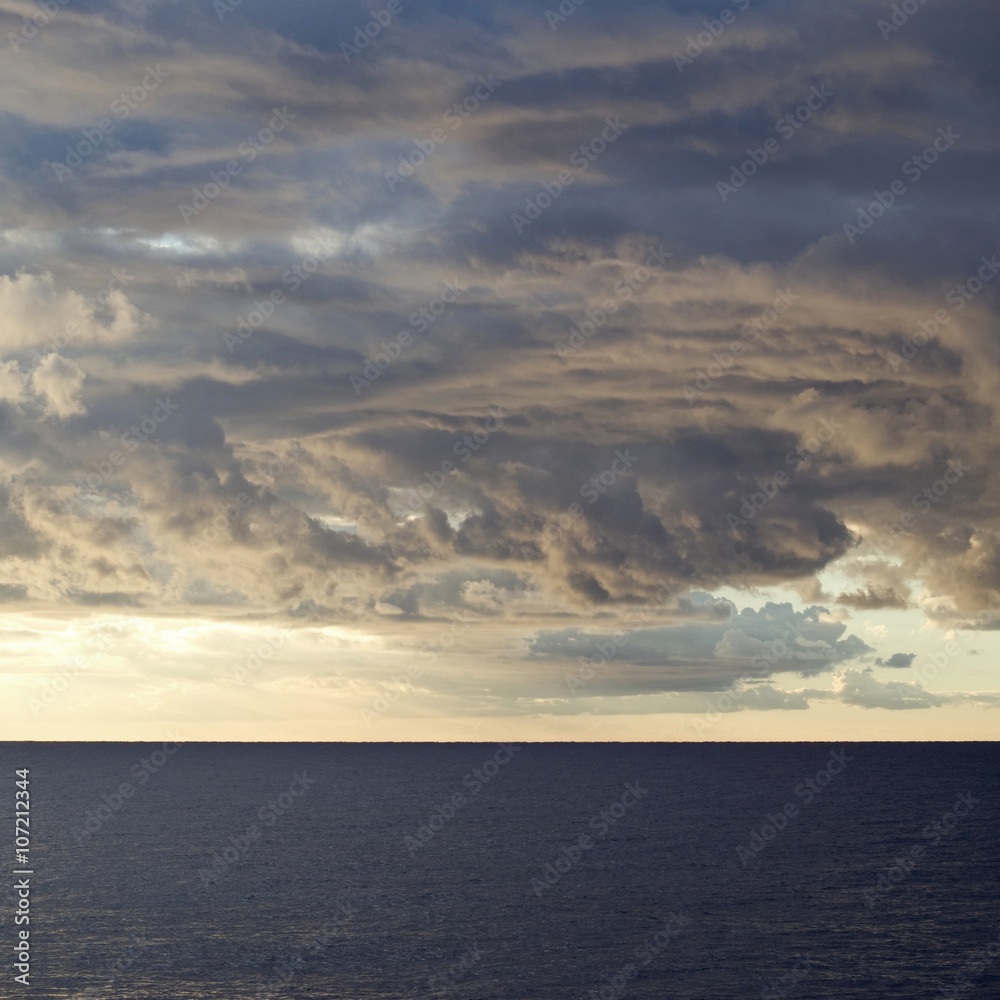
(426, 370)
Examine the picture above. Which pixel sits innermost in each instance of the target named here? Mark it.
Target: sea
(534, 871)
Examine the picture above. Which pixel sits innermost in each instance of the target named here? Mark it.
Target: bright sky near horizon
(492, 371)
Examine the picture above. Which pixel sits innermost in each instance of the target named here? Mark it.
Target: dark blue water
(394, 871)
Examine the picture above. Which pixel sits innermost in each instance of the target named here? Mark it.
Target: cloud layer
(538, 322)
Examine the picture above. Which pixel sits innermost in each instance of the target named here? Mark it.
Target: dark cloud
(793, 399)
(896, 660)
(872, 598)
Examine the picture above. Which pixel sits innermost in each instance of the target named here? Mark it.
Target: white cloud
(38, 315)
(860, 687)
(12, 382)
(59, 382)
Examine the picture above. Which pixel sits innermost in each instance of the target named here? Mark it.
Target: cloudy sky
(427, 370)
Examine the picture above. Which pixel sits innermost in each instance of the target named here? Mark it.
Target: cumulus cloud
(279, 406)
(767, 698)
(59, 381)
(40, 315)
(859, 687)
(706, 655)
(896, 660)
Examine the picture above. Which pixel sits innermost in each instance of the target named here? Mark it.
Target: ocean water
(543, 871)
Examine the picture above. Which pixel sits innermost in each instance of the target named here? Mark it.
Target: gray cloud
(859, 687)
(896, 660)
(707, 655)
(872, 598)
(179, 420)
